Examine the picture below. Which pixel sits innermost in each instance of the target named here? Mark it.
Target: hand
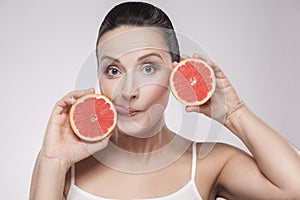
(60, 142)
(224, 100)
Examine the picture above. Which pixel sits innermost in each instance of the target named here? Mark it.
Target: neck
(142, 145)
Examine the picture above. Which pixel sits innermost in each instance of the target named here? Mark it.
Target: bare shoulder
(217, 153)
(211, 159)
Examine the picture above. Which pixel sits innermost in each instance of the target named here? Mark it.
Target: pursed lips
(126, 111)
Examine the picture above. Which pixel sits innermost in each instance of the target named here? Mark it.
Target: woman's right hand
(60, 142)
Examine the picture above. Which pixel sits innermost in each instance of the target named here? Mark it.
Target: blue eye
(149, 69)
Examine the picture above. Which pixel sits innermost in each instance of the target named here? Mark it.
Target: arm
(274, 169)
(48, 179)
(60, 150)
(269, 149)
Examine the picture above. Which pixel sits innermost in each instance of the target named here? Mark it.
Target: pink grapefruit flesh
(192, 82)
(93, 117)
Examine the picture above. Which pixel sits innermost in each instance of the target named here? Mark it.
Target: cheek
(106, 87)
(155, 94)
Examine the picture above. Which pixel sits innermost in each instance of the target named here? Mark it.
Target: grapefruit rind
(209, 94)
(72, 123)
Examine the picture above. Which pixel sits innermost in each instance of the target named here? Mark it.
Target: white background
(44, 43)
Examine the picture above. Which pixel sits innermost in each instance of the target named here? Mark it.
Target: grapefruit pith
(192, 82)
(93, 117)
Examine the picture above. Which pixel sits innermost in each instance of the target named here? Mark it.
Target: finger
(93, 147)
(174, 64)
(205, 108)
(198, 56)
(198, 109)
(79, 93)
(183, 57)
(63, 105)
(192, 109)
(218, 72)
(67, 101)
(209, 62)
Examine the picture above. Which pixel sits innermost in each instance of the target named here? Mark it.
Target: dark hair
(141, 14)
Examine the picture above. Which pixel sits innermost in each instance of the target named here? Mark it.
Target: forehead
(123, 40)
(132, 58)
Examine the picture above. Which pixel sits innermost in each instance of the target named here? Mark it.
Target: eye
(149, 69)
(112, 71)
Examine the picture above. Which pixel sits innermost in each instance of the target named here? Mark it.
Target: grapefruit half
(192, 82)
(93, 117)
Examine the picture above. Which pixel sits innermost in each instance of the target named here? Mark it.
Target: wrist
(60, 164)
(48, 178)
(232, 120)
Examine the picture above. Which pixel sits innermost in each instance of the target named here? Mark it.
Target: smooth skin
(273, 172)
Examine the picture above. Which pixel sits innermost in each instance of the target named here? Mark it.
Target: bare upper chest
(100, 180)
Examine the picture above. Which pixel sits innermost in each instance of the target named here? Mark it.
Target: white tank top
(189, 191)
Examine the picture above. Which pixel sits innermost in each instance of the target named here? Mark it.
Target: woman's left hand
(224, 100)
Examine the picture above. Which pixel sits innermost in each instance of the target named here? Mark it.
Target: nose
(130, 89)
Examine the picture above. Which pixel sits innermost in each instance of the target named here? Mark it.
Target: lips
(126, 111)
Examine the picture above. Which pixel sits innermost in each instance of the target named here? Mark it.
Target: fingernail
(89, 89)
(188, 109)
(73, 100)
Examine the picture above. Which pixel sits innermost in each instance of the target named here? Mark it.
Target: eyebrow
(150, 54)
(110, 58)
(139, 59)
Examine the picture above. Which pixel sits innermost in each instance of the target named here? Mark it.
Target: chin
(139, 129)
(132, 129)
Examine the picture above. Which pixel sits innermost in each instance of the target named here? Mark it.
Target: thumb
(192, 109)
(204, 109)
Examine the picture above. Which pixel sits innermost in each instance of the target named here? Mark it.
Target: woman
(136, 51)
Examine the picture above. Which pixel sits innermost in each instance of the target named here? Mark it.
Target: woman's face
(134, 69)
